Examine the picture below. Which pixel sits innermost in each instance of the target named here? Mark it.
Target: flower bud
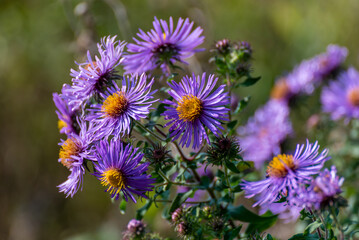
(177, 215)
(223, 46)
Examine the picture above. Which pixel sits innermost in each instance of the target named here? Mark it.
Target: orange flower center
(353, 96)
(280, 165)
(115, 105)
(189, 108)
(280, 90)
(68, 149)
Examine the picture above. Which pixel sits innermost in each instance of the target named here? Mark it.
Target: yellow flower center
(280, 165)
(114, 178)
(353, 96)
(61, 124)
(189, 108)
(115, 105)
(280, 90)
(68, 149)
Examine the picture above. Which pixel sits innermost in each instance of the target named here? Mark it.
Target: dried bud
(217, 224)
(183, 228)
(245, 47)
(243, 69)
(223, 46)
(136, 227)
(177, 215)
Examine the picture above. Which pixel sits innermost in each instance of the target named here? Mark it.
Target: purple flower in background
(162, 45)
(194, 107)
(341, 98)
(323, 189)
(309, 73)
(65, 114)
(72, 154)
(121, 105)
(118, 168)
(285, 172)
(260, 139)
(95, 74)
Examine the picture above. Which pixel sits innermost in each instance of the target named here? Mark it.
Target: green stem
(191, 202)
(315, 219)
(325, 226)
(209, 190)
(149, 131)
(175, 183)
(337, 223)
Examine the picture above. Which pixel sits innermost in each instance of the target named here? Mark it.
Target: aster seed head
(158, 155)
(223, 148)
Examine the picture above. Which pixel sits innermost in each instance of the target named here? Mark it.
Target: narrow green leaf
(231, 166)
(180, 198)
(122, 206)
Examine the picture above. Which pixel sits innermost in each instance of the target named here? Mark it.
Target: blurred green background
(41, 39)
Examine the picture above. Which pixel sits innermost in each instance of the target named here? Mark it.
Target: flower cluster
(183, 140)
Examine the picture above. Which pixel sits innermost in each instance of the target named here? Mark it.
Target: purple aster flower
(285, 172)
(72, 154)
(66, 115)
(95, 74)
(260, 139)
(122, 105)
(309, 73)
(341, 98)
(162, 46)
(322, 190)
(195, 106)
(118, 168)
(288, 213)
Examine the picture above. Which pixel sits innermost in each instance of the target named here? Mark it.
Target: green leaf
(242, 104)
(180, 198)
(231, 166)
(232, 233)
(243, 214)
(301, 236)
(237, 189)
(312, 227)
(122, 206)
(244, 165)
(261, 226)
(250, 81)
(232, 124)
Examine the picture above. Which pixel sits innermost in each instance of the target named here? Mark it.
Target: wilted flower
(194, 107)
(222, 46)
(341, 98)
(260, 139)
(285, 172)
(119, 169)
(95, 74)
(162, 46)
(122, 105)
